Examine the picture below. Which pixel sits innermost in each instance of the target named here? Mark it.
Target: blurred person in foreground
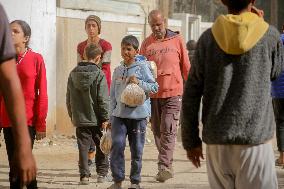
(23, 160)
(235, 62)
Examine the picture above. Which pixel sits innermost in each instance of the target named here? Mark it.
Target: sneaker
(164, 174)
(84, 181)
(135, 186)
(115, 186)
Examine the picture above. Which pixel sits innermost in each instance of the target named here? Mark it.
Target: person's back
(83, 83)
(236, 88)
(236, 60)
(87, 103)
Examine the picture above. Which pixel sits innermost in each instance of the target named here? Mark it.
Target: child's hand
(40, 135)
(133, 79)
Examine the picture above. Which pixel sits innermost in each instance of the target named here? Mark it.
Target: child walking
(87, 103)
(32, 74)
(126, 120)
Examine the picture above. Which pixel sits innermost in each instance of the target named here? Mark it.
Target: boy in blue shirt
(126, 120)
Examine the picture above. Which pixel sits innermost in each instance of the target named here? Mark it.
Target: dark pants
(15, 182)
(86, 136)
(164, 119)
(278, 106)
(135, 129)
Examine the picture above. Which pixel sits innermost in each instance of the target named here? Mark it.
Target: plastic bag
(153, 67)
(106, 142)
(133, 95)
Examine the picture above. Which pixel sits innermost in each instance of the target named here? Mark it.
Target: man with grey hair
(167, 49)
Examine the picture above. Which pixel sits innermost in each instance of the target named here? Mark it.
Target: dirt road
(57, 162)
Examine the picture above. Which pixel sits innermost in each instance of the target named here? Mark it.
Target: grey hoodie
(87, 96)
(232, 72)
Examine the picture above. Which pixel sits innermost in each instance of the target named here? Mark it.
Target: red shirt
(32, 74)
(171, 58)
(106, 57)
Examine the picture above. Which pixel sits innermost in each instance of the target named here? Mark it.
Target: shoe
(135, 186)
(164, 174)
(115, 186)
(101, 179)
(84, 181)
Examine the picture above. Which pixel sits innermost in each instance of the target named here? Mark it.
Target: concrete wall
(41, 16)
(56, 33)
(70, 31)
(192, 27)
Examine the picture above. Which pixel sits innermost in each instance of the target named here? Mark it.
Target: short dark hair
(237, 5)
(191, 45)
(26, 29)
(130, 40)
(92, 51)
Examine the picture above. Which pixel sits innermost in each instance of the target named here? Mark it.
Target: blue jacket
(141, 69)
(277, 88)
(282, 38)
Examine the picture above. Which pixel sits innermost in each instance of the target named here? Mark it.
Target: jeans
(15, 182)
(135, 129)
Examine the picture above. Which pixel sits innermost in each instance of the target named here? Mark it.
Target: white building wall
(41, 16)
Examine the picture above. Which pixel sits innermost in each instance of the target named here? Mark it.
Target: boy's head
(191, 45)
(129, 48)
(93, 52)
(93, 25)
(238, 5)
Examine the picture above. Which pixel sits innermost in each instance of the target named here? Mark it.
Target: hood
(83, 75)
(134, 64)
(138, 60)
(237, 34)
(169, 35)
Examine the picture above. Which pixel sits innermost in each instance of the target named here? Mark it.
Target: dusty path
(58, 168)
